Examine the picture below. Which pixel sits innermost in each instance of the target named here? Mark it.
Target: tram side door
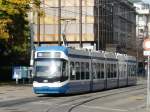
(91, 72)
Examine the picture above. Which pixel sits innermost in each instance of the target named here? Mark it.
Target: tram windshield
(51, 69)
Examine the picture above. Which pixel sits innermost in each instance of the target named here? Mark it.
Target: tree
(14, 30)
(134, 1)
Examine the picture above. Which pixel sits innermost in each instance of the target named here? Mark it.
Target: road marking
(104, 108)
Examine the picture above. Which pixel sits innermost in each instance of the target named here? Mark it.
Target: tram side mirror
(73, 72)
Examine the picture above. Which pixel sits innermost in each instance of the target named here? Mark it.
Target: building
(124, 24)
(143, 25)
(104, 29)
(70, 17)
(106, 24)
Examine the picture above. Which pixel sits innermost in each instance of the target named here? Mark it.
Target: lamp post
(80, 22)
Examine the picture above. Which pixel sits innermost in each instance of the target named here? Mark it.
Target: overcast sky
(147, 1)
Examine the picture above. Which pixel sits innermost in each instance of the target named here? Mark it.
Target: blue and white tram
(58, 69)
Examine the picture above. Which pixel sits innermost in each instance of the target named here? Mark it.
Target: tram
(64, 70)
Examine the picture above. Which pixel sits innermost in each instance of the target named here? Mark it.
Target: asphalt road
(21, 99)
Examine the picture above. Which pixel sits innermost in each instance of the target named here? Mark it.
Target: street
(15, 98)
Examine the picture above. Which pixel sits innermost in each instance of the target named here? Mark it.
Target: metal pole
(148, 84)
(38, 25)
(98, 26)
(80, 22)
(59, 22)
(44, 21)
(146, 27)
(137, 47)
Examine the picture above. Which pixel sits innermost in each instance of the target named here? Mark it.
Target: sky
(147, 1)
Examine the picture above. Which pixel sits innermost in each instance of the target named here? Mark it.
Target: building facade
(124, 21)
(105, 23)
(143, 25)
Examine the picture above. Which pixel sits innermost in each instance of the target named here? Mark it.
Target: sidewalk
(13, 91)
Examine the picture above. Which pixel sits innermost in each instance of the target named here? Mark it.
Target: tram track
(72, 101)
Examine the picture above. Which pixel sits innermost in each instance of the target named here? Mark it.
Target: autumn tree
(14, 29)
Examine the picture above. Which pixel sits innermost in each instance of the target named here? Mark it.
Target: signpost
(21, 72)
(146, 46)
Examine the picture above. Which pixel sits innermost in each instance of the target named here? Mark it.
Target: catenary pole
(80, 22)
(59, 22)
(148, 84)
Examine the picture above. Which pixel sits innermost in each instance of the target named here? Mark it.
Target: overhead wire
(86, 14)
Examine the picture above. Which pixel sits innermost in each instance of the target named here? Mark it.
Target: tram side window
(98, 71)
(87, 71)
(112, 71)
(108, 71)
(124, 70)
(77, 64)
(120, 70)
(115, 70)
(64, 71)
(82, 71)
(72, 71)
(102, 71)
(94, 70)
(133, 71)
(129, 70)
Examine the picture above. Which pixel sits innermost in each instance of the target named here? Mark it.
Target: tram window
(77, 64)
(98, 70)
(82, 71)
(130, 70)
(115, 71)
(64, 71)
(134, 70)
(102, 71)
(72, 71)
(94, 70)
(108, 71)
(102, 75)
(112, 71)
(87, 71)
(121, 70)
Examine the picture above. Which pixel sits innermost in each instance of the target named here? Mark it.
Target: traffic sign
(146, 53)
(146, 44)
